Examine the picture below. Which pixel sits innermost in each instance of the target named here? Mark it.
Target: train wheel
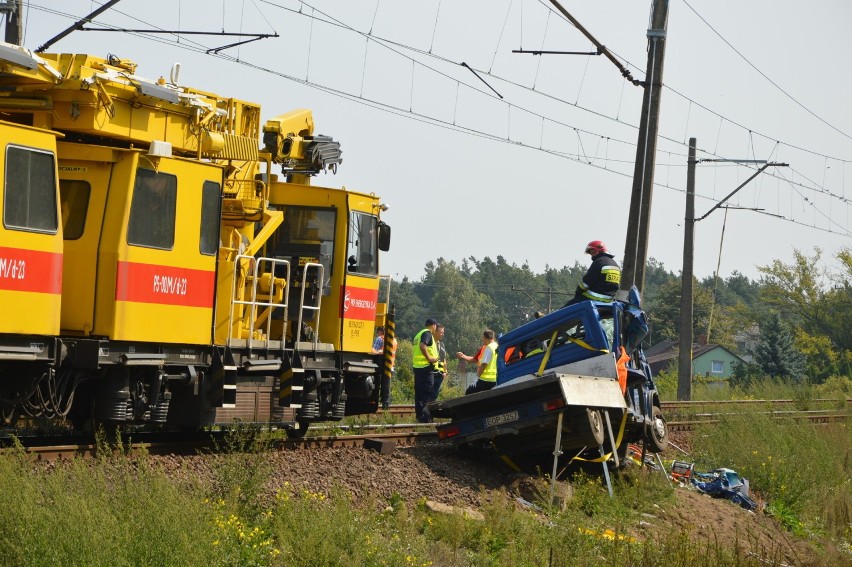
(299, 431)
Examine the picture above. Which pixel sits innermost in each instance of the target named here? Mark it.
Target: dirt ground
(437, 472)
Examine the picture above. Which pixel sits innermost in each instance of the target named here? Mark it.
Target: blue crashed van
(585, 362)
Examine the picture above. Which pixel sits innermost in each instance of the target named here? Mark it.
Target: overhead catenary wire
(723, 119)
(765, 76)
(558, 99)
(579, 157)
(313, 16)
(584, 159)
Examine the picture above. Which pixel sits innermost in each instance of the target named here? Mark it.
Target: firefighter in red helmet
(603, 277)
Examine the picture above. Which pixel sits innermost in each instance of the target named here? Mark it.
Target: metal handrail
(273, 264)
(386, 302)
(321, 271)
(253, 303)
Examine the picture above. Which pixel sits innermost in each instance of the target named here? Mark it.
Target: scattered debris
(528, 505)
(446, 509)
(678, 448)
(634, 455)
(533, 489)
(608, 534)
(727, 484)
(682, 471)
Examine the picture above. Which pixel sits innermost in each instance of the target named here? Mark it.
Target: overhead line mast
(636, 246)
(639, 219)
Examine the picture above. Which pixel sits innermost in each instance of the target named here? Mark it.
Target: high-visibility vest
(621, 369)
(490, 372)
(442, 358)
(417, 358)
(606, 281)
(393, 354)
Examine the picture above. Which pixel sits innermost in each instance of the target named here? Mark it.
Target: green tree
(402, 386)
(664, 313)
(656, 276)
(818, 303)
(739, 289)
(463, 310)
(560, 284)
(409, 309)
(775, 353)
(513, 290)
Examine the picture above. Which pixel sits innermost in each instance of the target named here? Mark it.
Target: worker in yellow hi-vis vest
(424, 360)
(441, 375)
(486, 369)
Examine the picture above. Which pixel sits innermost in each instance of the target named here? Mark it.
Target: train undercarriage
(83, 383)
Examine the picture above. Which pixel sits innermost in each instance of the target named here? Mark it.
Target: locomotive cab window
(306, 236)
(74, 202)
(209, 218)
(29, 199)
(152, 210)
(362, 251)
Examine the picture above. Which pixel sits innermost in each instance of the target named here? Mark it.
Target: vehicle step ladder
(320, 269)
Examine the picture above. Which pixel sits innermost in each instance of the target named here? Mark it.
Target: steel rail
(403, 435)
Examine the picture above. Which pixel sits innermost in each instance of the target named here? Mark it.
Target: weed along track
(431, 494)
(357, 434)
(47, 448)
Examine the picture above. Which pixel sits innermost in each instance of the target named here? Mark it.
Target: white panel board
(591, 391)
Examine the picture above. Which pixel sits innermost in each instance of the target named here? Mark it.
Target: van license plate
(507, 417)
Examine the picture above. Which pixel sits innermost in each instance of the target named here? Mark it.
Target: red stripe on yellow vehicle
(360, 303)
(359, 316)
(167, 285)
(30, 270)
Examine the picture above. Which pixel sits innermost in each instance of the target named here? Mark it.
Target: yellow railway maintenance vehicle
(154, 270)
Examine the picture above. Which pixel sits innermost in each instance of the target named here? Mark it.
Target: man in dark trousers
(424, 360)
(441, 375)
(603, 277)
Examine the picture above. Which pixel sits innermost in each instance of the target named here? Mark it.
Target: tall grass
(837, 388)
(122, 512)
(802, 470)
(109, 514)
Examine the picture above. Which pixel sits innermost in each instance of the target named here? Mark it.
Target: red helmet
(595, 247)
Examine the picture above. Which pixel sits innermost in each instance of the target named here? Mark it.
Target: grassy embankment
(120, 512)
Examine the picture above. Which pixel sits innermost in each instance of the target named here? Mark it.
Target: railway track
(675, 408)
(380, 436)
(381, 441)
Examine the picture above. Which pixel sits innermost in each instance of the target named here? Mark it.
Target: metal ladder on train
(320, 269)
(260, 307)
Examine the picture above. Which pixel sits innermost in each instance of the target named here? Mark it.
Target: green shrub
(104, 513)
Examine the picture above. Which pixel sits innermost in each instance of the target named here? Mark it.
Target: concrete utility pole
(684, 372)
(638, 224)
(14, 21)
(684, 375)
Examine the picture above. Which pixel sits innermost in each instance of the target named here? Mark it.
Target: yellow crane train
(153, 269)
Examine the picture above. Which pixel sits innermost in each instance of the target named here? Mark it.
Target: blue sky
(536, 174)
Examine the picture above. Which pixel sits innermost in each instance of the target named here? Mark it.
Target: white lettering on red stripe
(169, 285)
(365, 303)
(13, 268)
